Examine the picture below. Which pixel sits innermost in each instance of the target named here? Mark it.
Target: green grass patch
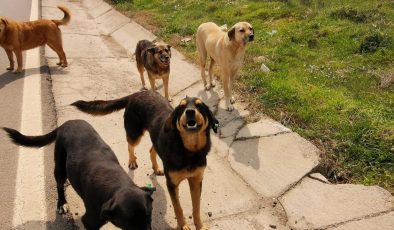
(327, 59)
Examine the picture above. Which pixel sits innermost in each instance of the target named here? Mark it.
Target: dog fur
(19, 36)
(180, 136)
(155, 58)
(82, 157)
(227, 50)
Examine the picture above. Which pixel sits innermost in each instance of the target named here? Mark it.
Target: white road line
(29, 203)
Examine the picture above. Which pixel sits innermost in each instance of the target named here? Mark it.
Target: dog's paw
(58, 63)
(169, 99)
(133, 165)
(186, 227)
(213, 83)
(18, 71)
(63, 209)
(143, 88)
(207, 86)
(158, 172)
(230, 108)
(232, 100)
(64, 65)
(10, 68)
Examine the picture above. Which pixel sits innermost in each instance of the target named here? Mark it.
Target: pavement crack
(365, 217)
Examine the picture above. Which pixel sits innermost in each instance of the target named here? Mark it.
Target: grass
(331, 71)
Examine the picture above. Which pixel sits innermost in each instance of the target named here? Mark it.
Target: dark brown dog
(180, 136)
(18, 36)
(155, 58)
(108, 193)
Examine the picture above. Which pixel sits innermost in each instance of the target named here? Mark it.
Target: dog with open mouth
(155, 58)
(180, 136)
(108, 193)
(227, 49)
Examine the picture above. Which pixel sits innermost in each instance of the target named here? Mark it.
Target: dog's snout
(190, 113)
(251, 37)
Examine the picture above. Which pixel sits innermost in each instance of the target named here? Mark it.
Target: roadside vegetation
(332, 71)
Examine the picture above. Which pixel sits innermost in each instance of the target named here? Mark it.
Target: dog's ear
(169, 49)
(107, 210)
(149, 190)
(5, 21)
(212, 121)
(152, 49)
(231, 34)
(171, 121)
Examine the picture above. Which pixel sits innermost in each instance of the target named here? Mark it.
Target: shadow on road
(61, 222)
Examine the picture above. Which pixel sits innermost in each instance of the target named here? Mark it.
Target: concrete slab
(231, 128)
(90, 3)
(210, 98)
(99, 9)
(92, 76)
(381, 222)
(111, 21)
(77, 46)
(128, 35)
(264, 127)
(277, 161)
(79, 24)
(225, 116)
(313, 204)
(72, 5)
(221, 146)
(264, 220)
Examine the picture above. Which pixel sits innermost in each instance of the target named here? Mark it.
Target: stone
(313, 204)
(271, 165)
(381, 222)
(264, 68)
(264, 127)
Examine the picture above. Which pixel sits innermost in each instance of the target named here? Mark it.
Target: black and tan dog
(155, 58)
(180, 136)
(96, 175)
(18, 36)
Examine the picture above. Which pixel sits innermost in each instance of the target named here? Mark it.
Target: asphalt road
(11, 100)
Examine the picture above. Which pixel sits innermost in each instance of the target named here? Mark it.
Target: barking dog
(180, 136)
(18, 36)
(155, 58)
(96, 175)
(225, 49)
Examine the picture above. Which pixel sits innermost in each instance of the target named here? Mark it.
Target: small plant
(374, 42)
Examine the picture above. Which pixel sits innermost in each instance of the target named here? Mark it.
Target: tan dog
(226, 49)
(18, 36)
(155, 58)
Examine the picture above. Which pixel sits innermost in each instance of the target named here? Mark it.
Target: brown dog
(18, 36)
(155, 57)
(226, 49)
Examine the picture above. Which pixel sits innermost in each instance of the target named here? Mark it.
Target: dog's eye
(160, 52)
(166, 50)
(242, 30)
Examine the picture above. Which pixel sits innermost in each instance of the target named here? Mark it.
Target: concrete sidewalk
(258, 175)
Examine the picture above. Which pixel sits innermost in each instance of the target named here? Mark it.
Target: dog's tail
(66, 19)
(31, 141)
(100, 107)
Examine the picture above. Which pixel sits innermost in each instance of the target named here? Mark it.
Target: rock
(273, 226)
(259, 59)
(223, 27)
(264, 68)
(186, 40)
(210, 214)
(313, 204)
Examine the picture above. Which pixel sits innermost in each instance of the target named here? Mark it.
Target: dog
(19, 36)
(82, 157)
(155, 58)
(180, 136)
(227, 50)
